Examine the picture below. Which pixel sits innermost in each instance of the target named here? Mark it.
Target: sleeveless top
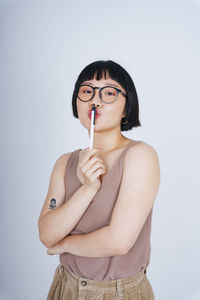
(98, 214)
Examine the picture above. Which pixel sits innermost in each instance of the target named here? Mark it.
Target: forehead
(103, 82)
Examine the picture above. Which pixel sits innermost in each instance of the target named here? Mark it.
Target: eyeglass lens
(108, 94)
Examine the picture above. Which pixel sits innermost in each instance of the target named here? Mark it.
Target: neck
(108, 141)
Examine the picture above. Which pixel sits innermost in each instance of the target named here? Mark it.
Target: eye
(109, 93)
(87, 91)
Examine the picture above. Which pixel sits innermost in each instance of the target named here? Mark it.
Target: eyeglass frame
(100, 89)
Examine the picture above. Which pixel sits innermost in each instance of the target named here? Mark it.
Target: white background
(44, 45)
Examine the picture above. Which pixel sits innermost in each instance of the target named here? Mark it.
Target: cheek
(119, 109)
(81, 109)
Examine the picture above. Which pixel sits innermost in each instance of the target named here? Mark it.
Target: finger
(50, 252)
(92, 165)
(90, 153)
(56, 249)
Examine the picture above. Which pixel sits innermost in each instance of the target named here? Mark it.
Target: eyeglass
(108, 94)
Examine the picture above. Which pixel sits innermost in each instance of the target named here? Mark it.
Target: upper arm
(138, 190)
(56, 187)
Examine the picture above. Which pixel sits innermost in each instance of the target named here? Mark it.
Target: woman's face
(110, 115)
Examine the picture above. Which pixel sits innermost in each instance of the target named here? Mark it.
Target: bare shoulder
(62, 160)
(64, 157)
(141, 148)
(143, 157)
(59, 166)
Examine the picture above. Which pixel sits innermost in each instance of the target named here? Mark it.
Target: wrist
(89, 189)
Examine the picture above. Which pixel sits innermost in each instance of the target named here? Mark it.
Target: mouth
(90, 114)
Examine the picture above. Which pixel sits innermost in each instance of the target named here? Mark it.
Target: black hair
(97, 70)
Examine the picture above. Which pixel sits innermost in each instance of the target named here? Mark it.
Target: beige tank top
(97, 215)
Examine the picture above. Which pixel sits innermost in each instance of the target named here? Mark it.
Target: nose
(96, 99)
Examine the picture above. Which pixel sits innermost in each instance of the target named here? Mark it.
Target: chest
(99, 212)
(109, 161)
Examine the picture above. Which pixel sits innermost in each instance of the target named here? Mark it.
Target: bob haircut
(97, 70)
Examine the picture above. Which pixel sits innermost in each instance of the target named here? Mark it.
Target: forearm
(59, 222)
(98, 243)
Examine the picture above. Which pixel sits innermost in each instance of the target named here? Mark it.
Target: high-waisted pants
(68, 286)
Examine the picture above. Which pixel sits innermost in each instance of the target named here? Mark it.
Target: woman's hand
(90, 168)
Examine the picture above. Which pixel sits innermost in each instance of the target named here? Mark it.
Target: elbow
(119, 250)
(43, 237)
(126, 248)
(119, 247)
(45, 242)
(122, 249)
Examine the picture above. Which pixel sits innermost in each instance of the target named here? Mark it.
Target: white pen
(93, 114)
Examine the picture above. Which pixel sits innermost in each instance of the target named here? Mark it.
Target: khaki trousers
(69, 286)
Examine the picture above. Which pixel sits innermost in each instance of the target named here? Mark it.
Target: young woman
(98, 210)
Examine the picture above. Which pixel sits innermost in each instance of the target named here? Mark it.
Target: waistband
(132, 281)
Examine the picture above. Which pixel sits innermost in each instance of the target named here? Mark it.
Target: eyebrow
(106, 83)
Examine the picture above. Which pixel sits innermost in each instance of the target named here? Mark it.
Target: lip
(96, 115)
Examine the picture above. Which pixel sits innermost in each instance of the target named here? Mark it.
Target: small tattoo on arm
(52, 204)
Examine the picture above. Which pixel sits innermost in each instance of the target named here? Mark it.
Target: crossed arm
(94, 244)
(138, 191)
